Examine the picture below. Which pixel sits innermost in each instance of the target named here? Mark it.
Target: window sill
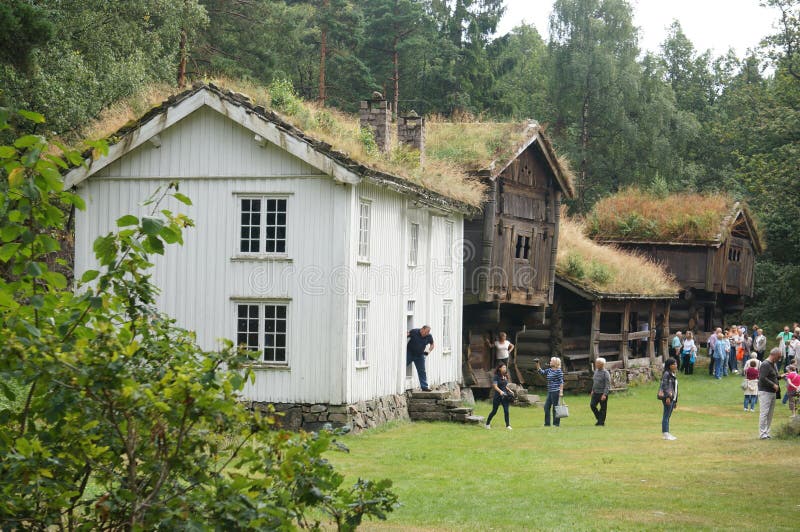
(261, 258)
(449, 352)
(363, 262)
(362, 365)
(268, 365)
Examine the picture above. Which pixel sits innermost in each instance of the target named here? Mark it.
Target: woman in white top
(503, 349)
(688, 353)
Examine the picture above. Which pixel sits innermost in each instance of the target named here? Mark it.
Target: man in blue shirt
(416, 351)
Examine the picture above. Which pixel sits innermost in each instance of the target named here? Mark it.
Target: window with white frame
(363, 230)
(413, 244)
(262, 327)
(447, 320)
(362, 308)
(448, 243)
(262, 225)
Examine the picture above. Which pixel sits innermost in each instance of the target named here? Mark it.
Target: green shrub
(367, 138)
(599, 273)
(575, 266)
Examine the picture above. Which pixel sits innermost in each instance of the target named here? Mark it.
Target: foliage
(114, 418)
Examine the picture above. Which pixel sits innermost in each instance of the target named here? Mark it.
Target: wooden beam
(623, 345)
(651, 341)
(665, 330)
(594, 341)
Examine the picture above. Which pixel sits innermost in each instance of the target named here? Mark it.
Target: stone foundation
(358, 416)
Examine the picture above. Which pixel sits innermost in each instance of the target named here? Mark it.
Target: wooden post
(594, 343)
(623, 345)
(651, 339)
(665, 331)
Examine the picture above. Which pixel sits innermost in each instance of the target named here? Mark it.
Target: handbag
(744, 384)
(660, 395)
(562, 410)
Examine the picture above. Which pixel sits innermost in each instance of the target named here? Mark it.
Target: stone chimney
(411, 132)
(374, 114)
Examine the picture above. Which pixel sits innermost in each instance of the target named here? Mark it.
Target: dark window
(518, 253)
(523, 247)
(270, 330)
(263, 225)
(527, 247)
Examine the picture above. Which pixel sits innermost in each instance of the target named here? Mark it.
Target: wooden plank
(594, 334)
(639, 335)
(575, 342)
(623, 345)
(609, 337)
(651, 341)
(534, 347)
(537, 334)
(665, 328)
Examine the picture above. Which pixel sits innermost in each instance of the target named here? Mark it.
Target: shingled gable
(534, 134)
(267, 125)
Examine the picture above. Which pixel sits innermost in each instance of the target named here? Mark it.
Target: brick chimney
(374, 114)
(411, 132)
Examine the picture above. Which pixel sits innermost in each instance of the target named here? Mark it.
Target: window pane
(280, 311)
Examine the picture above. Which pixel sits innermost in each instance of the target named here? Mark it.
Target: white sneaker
(671, 437)
(509, 428)
(746, 410)
(487, 427)
(666, 435)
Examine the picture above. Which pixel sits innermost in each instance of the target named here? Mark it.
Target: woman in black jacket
(668, 393)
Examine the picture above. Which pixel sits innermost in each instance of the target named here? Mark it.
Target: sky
(709, 24)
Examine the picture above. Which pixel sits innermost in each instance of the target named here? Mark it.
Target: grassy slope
(581, 477)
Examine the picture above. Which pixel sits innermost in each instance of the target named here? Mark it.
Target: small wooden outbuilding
(708, 242)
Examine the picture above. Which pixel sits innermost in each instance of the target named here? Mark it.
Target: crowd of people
(731, 351)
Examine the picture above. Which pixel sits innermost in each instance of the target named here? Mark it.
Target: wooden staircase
(439, 406)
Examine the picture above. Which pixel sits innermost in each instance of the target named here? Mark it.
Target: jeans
(750, 401)
(499, 400)
(419, 363)
(550, 404)
(733, 364)
(668, 408)
(719, 367)
(599, 413)
(712, 363)
(725, 365)
(767, 402)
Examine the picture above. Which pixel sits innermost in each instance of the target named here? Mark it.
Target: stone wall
(358, 416)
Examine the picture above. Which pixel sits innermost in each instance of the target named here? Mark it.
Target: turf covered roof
(605, 271)
(457, 154)
(634, 215)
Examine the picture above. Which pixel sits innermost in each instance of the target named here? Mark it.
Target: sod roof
(605, 271)
(634, 215)
(457, 155)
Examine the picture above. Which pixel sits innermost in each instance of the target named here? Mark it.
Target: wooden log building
(709, 243)
(510, 251)
(607, 303)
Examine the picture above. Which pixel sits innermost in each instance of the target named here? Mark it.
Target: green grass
(717, 475)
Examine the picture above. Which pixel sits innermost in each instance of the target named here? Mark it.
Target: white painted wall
(217, 160)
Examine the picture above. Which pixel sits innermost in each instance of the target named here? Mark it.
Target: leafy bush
(599, 273)
(114, 418)
(575, 266)
(367, 139)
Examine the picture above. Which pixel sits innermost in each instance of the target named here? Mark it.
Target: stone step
(474, 420)
(429, 416)
(452, 403)
(460, 410)
(430, 395)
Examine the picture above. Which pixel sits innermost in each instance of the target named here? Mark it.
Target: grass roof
(640, 216)
(455, 150)
(606, 270)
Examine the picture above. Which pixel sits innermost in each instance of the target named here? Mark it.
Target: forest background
(677, 120)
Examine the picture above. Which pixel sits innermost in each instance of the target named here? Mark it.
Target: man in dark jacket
(417, 349)
(768, 386)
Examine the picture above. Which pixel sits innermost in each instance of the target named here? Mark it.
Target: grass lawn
(624, 476)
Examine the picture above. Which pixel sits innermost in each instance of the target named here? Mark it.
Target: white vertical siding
(216, 161)
(207, 144)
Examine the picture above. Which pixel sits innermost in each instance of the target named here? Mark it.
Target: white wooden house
(309, 258)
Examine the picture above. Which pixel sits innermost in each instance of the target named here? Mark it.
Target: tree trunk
(396, 76)
(584, 150)
(182, 62)
(323, 52)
